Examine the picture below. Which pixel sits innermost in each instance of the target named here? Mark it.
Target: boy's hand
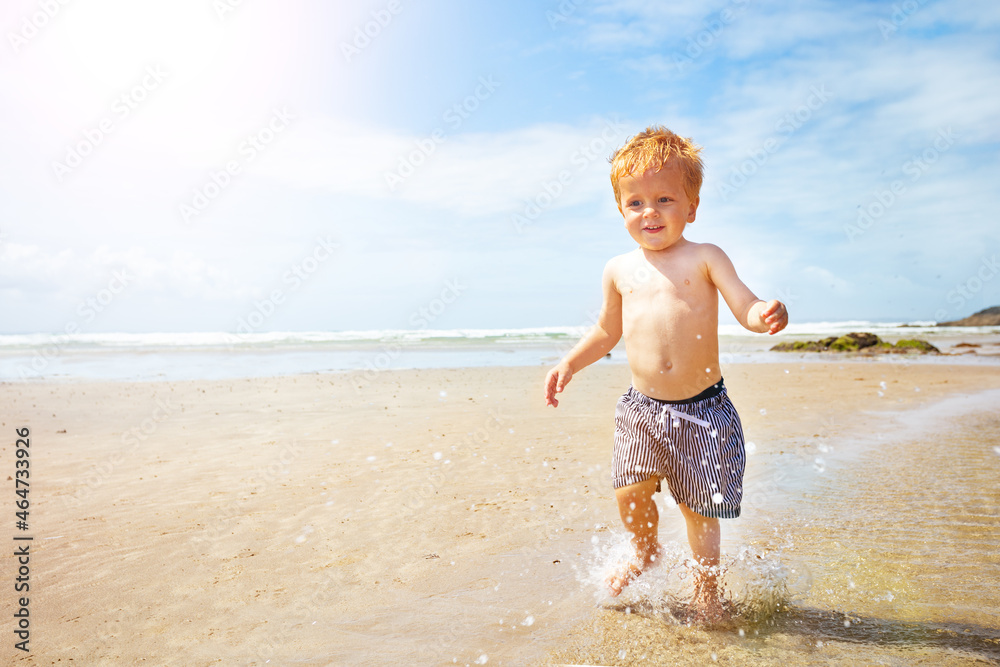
(555, 382)
(775, 316)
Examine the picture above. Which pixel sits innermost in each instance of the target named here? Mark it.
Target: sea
(225, 355)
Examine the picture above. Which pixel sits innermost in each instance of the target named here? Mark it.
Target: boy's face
(655, 207)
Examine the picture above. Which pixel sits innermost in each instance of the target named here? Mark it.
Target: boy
(675, 422)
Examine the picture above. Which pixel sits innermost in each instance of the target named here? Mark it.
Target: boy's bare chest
(646, 286)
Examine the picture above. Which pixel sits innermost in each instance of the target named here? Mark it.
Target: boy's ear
(693, 211)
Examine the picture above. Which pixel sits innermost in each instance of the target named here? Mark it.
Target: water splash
(756, 583)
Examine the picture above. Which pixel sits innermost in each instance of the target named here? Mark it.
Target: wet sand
(426, 516)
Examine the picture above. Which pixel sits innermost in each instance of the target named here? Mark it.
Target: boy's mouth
(653, 229)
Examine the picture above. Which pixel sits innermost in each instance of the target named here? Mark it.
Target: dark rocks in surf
(863, 342)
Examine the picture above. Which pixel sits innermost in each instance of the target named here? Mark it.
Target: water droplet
(443, 394)
(437, 456)
(717, 498)
(529, 621)
(708, 370)
(750, 448)
(698, 336)
(483, 659)
(763, 411)
(370, 459)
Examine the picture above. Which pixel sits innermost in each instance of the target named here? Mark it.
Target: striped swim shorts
(695, 445)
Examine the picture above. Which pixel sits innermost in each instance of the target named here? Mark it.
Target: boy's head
(654, 149)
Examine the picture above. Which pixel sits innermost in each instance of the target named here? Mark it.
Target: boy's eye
(634, 202)
(664, 199)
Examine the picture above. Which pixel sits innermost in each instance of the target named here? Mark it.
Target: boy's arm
(600, 340)
(751, 312)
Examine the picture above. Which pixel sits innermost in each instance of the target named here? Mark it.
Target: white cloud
(470, 174)
(75, 275)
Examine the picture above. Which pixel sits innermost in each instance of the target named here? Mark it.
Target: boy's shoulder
(623, 262)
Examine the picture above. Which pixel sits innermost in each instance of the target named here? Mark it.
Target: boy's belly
(673, 372)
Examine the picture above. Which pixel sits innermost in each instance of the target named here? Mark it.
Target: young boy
(675, 422)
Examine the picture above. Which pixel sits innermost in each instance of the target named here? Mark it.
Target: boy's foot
(709, 609)
(626, 575)
(619, 580)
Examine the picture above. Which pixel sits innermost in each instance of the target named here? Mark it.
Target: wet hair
(656, 148)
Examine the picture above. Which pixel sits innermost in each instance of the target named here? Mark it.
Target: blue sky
(308, 165)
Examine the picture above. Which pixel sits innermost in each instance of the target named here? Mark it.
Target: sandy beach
(417, 517)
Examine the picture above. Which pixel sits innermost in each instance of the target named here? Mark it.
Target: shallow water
(885, 554)
(211, 356)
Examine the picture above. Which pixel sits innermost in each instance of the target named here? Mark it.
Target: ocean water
(222, 355)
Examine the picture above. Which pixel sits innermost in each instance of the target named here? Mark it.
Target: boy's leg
(639, 514)
(705, 536)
